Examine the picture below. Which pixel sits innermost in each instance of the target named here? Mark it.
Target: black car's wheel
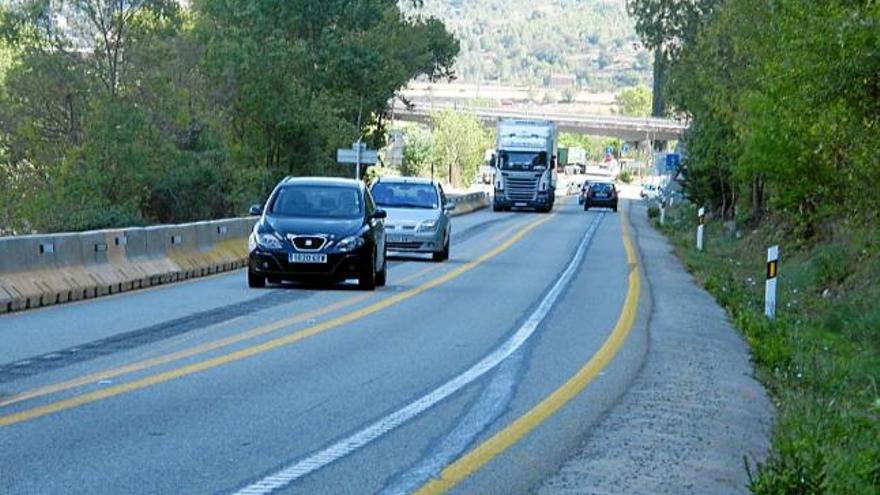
(382, 276)
(255, 281)
(586, 207)
(273, 280)
(367, 278)
(615, 208)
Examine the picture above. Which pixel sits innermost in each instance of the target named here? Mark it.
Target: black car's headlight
(263, 240)
(349, 244)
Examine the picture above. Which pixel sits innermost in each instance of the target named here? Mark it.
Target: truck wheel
(496, 207)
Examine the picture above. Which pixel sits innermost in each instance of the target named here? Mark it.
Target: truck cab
(525, 165)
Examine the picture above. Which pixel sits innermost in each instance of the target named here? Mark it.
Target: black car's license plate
(308, 258)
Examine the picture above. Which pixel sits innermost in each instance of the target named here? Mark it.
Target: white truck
(525, 165)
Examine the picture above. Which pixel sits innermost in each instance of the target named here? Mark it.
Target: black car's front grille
(307, 242)
(522, 188)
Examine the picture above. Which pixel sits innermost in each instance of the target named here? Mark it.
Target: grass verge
(820, 359)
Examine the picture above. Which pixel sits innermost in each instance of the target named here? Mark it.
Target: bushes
(819, 359)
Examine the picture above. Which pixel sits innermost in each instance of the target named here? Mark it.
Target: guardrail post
(770, 285)
(702, 218)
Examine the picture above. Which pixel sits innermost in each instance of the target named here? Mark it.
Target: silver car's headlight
(265, 241)
(350, 244)
(428, 226)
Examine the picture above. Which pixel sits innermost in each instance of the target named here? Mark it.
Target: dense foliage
(524, 42)
(136, 111)
(784, 98)
(634, 102)
(452, 149)
(785, 101)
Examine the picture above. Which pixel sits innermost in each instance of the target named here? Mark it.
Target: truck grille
(521, 188)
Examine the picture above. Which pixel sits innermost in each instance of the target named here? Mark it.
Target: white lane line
(360, 439)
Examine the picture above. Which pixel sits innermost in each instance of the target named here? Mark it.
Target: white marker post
(662, 213)
(770, 290)
(702, 218)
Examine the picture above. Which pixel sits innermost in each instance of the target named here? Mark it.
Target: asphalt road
(479, 375)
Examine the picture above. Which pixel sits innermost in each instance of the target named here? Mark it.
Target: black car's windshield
(602, 188)
(522, 160)
(404, 195)
(317, 202)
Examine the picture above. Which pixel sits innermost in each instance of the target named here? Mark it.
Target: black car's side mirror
(256, 210)
(380, 214)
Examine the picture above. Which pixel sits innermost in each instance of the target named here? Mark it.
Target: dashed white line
(360, 439)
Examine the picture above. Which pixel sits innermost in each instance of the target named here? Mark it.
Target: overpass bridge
(634, 129)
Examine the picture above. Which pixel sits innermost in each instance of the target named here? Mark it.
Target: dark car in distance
(318, 230)
(601, 194)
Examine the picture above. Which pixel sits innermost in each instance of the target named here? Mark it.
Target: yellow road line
(200, 349)
(469, 463)
(266, 346)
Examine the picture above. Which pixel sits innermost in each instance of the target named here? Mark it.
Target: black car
(318, 230)
(601, 194)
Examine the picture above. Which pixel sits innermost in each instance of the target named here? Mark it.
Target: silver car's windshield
(404, 195)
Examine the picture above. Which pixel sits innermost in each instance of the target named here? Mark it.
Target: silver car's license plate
(397, 238)
(308, 258)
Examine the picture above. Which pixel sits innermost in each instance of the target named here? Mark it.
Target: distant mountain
(528, 41)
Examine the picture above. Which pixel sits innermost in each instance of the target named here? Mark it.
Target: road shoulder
(694, 413)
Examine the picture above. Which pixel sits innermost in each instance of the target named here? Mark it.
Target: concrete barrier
(42, 270)
(467, 203)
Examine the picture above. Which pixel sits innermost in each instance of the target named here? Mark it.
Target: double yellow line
(473, 460)
(247, 352)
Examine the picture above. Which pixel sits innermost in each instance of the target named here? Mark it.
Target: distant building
(563, 81)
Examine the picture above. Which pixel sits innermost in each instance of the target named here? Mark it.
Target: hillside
(525, 41)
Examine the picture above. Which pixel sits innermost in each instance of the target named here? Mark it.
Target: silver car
(418, 215)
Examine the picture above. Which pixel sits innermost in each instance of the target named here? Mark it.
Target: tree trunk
(658, 107)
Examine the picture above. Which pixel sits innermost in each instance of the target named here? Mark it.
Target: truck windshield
(522, 160)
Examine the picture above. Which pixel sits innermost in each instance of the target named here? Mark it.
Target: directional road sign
(358, 155)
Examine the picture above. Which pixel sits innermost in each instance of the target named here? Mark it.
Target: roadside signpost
(357, 155)
(673, 162)
(702, 219)
(770, 288)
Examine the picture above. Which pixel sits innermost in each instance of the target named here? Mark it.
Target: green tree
(635, 102)
(459, 144)
(417, 151)
(666, 27)
(141, 111)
